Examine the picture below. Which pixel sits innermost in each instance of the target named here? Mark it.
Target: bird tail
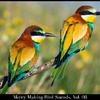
(57, 59)
(58, 62)
(58, 71)
(5, 78)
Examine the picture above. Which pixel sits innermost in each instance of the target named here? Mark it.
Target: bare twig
(41, 81)
(29, 86)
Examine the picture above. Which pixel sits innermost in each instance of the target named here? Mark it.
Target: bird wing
(21, 54)
(77, 46)
(73, 31)
(65, 42)
(66, 37)
(80, 44)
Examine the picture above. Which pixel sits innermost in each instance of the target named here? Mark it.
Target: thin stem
(30, 85)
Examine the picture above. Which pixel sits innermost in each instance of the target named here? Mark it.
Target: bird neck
(37, 46)
(91, 25)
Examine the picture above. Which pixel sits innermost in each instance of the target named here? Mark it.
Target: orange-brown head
(36, 33)
(88, 13)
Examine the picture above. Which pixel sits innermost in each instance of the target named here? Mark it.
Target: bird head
(37, 34)
(88, 13)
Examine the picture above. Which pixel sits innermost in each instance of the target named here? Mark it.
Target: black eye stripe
(36, 34)
(86, 13)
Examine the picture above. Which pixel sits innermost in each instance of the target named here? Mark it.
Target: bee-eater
(24, 52)
(74, 36)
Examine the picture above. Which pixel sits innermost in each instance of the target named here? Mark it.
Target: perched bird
(24, 52)
(74, 36)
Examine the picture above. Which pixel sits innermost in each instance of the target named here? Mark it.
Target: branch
(37, 70)
(40, 68)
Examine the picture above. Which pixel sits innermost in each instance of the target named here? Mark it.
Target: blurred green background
(82, 74)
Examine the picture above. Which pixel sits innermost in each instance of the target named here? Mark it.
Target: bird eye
(86, 13)
(36, 34)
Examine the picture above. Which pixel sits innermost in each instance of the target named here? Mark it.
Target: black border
(49, 96)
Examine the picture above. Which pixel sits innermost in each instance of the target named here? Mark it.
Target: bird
(74, 37)
(24, 53)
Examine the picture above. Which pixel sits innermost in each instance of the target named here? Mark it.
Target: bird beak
(49, 35)
(97, 13)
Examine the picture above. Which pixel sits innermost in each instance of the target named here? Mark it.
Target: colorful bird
(74, 37)
(24, 53)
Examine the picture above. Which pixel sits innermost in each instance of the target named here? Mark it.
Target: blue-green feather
(91, 25)
(37, 46)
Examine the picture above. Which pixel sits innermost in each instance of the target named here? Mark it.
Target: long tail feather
(58, 73)
(5, 78)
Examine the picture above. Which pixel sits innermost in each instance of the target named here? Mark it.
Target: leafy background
(82, 74)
